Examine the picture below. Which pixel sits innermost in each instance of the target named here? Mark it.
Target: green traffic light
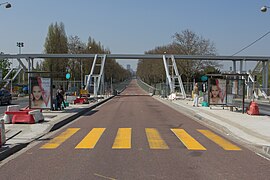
(68, 76)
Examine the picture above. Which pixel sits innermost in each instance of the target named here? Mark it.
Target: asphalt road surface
(134, 136)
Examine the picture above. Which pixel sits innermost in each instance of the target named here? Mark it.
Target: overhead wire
(251, 43)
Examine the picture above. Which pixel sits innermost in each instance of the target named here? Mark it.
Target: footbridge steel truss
(173, 75)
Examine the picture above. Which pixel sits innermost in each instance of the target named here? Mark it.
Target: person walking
(60, 98)
(196, 95)
(62, 92)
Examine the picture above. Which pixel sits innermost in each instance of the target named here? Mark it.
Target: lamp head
(8, 5)
(264, 8)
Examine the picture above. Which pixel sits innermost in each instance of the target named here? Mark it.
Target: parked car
(5, 97)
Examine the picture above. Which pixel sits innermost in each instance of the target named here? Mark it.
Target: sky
(136, 26)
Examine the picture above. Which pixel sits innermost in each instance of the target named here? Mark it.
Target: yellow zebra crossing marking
(123, 139)
(57, 141)
(91, 139)
(187, 140)
(226, 145)
(154, 139)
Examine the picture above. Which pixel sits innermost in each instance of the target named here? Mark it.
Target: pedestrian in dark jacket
(60, 97)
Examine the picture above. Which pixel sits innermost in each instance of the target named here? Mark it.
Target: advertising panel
(40, 97)
(217, 92)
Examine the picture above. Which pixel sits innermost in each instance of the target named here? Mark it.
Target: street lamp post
(8, 5)
(266, 67)
(20, 45)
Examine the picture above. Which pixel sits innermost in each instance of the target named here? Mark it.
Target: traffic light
(68, 72)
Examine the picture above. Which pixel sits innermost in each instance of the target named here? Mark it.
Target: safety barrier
(11, 108)
(81, 100)
(253, 108)
(15, 115)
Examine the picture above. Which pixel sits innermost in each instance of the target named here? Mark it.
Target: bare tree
(184, 43)
(189, 43)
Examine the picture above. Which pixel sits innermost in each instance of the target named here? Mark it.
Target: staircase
(173, 76)
(13, 78)
(257, 70)
(96, 77)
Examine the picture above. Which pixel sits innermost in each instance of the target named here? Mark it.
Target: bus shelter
(227, 90)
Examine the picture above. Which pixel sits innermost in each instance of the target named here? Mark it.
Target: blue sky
(135, 26)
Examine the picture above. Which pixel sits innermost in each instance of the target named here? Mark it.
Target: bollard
(7, 118)
(253, 108)
(2, 133)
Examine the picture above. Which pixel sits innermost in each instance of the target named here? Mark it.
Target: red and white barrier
(38, 116)
(16, 115)
(8, 117)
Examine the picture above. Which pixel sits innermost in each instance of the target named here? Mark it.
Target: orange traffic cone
(253, 108)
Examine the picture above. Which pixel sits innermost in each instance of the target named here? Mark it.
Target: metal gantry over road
(173, 74)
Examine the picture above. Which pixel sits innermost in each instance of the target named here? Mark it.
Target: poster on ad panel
(40, 97)
(217, 92)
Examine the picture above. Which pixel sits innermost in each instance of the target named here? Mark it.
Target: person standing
(55, 103)
(62, 92)
(196, 95)
(60, 97)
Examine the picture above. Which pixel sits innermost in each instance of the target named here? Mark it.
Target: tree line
(57, 42)
(185, 43)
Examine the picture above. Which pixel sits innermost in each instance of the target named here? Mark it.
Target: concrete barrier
(8, 117)
(14, 114)
(38, 116)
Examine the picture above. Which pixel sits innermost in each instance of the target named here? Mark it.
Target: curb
(261, 150)
(195, 116)
(8, 151)
(75, 116)
(11, 150)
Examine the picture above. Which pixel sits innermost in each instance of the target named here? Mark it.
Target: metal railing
(146, 87)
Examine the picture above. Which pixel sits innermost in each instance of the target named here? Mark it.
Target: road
(134, 136)
(22, 101)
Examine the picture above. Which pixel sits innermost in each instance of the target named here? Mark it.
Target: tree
(152, 71)
(76, 46)
(184, 43)
(112, 68)
(188, 43)
(56, 43)
(4, 66)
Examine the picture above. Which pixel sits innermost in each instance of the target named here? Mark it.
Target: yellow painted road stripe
(123, 139)
(58, 140)
(154, 139)
(91, 139)
(187, 140)
(219, 140)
